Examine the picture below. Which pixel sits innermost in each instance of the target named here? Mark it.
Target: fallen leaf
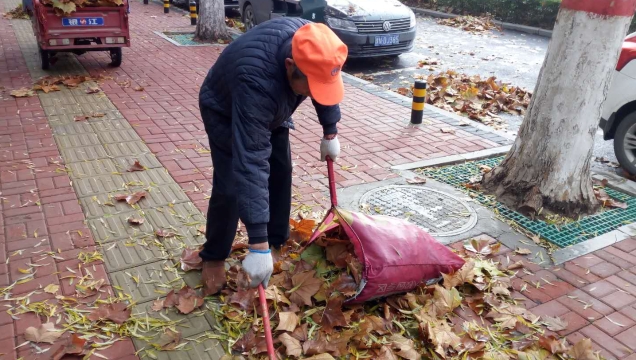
(46, 333)
(583, 350)
(133, 198)
(157, 305)
(320, 357)
(465, 274)
(80, 118)
(553, 345)
(23, 92)
(479, 246)
(345, 284)
(485, 169)
(243, 299)
(445, 301)
(523, 251)
(51, 288)
(332, 316)
(554, 323)
(443, 337)
(287, 321)
(136, 221)
(136, 167)
(190, 259)
(292, 345)
(404, 347)
(337, 254)
(169, 340)
(118, 313)
(517, 265)
(188, 300)
(448, 130)
(93, 90)
(305, 286)
(138, 88)
(73, 346)
(304, 228)
(416, 180)
(165, 233)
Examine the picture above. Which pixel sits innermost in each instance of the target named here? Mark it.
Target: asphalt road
(511, 56)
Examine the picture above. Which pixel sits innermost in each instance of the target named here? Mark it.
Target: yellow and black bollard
(419, 98)
(193, 12)
(166, 6)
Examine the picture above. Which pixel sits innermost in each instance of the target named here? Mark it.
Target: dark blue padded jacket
(244, 97)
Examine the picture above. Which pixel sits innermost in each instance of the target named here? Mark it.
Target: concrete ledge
(572, 252)
(508, 26)
(455, 159)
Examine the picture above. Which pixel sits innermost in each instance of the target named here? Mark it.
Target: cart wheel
(45, 59)
(115, 56)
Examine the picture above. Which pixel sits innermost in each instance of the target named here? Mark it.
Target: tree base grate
(563, 235)
(187, 38)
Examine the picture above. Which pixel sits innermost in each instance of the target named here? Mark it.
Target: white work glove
(329, 148)
(259, 265)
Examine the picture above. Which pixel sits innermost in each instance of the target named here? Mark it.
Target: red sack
(396, 255)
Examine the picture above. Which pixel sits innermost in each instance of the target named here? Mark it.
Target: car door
(262, 10)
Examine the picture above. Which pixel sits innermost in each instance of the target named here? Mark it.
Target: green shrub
(539, 13)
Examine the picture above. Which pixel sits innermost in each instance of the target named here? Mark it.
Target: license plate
(384, 40)
(83, 21)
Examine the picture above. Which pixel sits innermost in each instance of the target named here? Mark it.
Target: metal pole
(193, 12)
(419, 98)
(166, 6)
(145, 2)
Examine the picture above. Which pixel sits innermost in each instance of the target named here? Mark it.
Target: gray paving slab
(116, 227)
(74, 141)
(79, 127)
(208, 349)
(62, 109)
(57, 98)
(86, 153)
(126, 148)
(152, 177)
(94, 185)
(188, 325)
(147, 160)
(126, 254)
(117, 136)
(97, 107)
(103, 204)
(109, 124)
(154, 280)
(93, 168)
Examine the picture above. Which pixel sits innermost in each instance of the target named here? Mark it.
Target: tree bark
(549, 164)
(211, 21)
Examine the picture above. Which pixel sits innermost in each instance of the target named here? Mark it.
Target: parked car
(618, 119)
(230, 4)
(368, 27)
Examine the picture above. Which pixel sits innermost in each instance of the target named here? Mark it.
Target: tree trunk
(549, 164)
(211, 21)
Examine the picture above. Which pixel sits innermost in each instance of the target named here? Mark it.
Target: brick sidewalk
(56, 174)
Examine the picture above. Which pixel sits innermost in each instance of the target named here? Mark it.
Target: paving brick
(627, 338)
(628, 245)
(600, 288)
(612, 346)
(614, 323)
(551, 308)
(605, 269)
(585, 305)
(619, 300)
(8, 348)
(575, 322)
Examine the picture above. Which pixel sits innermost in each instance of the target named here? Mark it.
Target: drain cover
(438, 213)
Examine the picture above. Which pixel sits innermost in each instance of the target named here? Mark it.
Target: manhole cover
(438, 213)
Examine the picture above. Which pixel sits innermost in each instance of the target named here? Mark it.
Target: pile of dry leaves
(66, 7)
(470, 314)
(471, 24)
(478, 99)
(17, 13)
(48, 84)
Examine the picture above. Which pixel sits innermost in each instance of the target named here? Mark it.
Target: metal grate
(378, 26)
(561, 235)
(438, 213)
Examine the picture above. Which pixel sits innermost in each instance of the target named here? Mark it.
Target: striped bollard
(166, 6)
(419, 98)
(193, 12)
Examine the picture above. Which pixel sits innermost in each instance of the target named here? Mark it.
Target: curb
(508, 26)
(454, 159)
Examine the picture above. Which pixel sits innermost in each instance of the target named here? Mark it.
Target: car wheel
(248, 17)
(115, 57)
(625, 143)
(45, 59)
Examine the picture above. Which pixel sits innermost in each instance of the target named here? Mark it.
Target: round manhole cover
(438, 213)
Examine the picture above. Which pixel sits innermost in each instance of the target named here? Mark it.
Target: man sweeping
(246, 103)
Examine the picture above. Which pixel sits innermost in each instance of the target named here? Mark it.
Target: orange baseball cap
(319, 54)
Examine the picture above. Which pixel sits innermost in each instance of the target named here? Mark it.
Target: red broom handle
(268, 329)
(332, 182)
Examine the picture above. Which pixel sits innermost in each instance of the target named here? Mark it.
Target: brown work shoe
(213, 277)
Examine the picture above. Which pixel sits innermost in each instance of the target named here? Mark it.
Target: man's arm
(328, 117)
(252, 113)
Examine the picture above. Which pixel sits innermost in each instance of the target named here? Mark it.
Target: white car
(618, 119)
